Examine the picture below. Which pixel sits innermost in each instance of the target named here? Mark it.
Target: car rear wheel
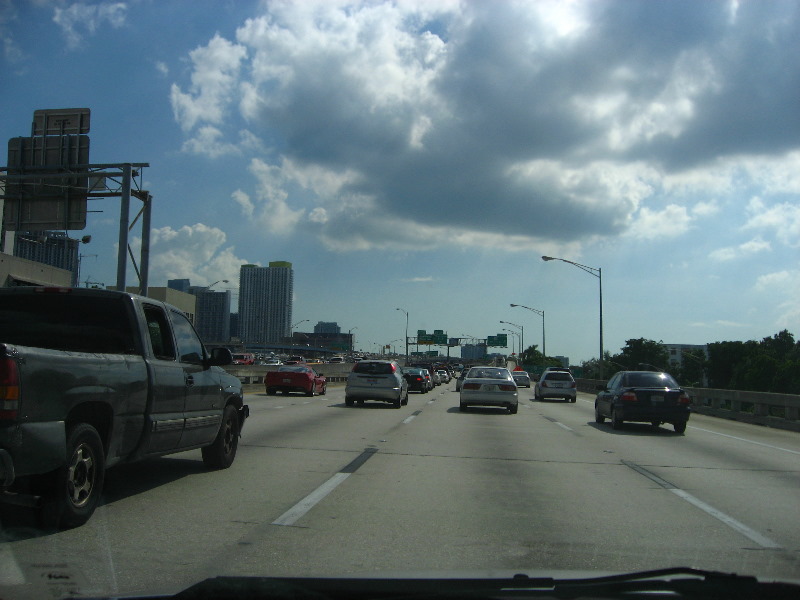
(616, 420)
(462, 407)
(598, 418)
(349, 401)
(680, 427)
(78, 483)
(312, 391)
(512, 409)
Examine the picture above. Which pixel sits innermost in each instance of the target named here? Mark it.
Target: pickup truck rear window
(61, 322)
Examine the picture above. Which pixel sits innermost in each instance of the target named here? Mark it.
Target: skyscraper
(265, 302)
(212, 314)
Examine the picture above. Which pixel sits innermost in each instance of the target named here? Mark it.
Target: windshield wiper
(677, 582)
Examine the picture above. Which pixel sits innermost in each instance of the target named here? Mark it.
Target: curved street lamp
(291, 331)
(405, 311)
(521, 330)
(597, 272)
(541, 314)
(516, 333)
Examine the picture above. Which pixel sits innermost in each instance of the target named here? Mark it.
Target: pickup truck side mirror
(220, 357)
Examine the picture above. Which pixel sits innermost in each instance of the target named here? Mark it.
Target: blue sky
(425, 155)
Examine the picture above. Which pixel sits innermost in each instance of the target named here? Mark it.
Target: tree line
(769, 365)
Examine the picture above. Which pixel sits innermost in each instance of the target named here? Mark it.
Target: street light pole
(291, 334)
(597, 272)
(350, 335)
(541, 314)
(521, 335)
(405, 311)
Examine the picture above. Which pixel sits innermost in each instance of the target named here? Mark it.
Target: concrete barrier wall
(256, 373)
(763, 408)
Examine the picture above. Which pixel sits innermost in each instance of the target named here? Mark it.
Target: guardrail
(781, 411)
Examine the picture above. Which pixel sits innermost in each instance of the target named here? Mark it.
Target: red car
(295, 378)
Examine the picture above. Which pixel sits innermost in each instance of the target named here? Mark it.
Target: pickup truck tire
(221, 453)
(78, 484)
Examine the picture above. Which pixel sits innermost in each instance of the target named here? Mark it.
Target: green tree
(642, 353)
(692, 369)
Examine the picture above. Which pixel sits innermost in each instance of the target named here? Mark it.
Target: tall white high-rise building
(265, 302)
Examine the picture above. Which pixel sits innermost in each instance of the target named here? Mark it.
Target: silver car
(380, 380)
(522, 378)
(556, 384)
(489, 386)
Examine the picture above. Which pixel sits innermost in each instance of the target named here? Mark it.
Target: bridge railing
(763, 408)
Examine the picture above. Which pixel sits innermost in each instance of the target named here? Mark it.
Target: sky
(424, 155)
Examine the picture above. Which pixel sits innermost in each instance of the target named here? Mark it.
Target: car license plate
(287, 381)
(372, 380)
(656, 399)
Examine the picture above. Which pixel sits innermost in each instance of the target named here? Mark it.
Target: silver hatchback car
(380, 380)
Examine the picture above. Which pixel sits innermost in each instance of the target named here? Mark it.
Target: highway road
(319, 488)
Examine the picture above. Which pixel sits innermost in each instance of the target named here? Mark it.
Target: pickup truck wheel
(79, 483)
(221, 453)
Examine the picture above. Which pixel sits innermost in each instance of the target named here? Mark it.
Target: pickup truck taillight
(9, 389)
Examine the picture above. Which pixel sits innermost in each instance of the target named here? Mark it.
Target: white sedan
(489, 386)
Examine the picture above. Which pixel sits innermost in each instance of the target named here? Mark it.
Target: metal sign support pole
(125, 203)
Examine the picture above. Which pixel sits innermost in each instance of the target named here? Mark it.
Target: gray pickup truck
(90, 379)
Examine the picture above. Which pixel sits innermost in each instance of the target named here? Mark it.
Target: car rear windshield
(292, 369)
(558, 376)
(66, 322)
(484, 373)
(649, 380)
(373, 368)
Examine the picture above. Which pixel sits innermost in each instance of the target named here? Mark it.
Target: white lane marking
(759, 539)
(408, 420)
(746, 531)
(562, 425)
(291, 516)
(733, 437)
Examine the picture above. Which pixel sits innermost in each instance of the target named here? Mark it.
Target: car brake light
(543, 383)
(471, 386)
(629, 397)
(684, 399)
(9, 389)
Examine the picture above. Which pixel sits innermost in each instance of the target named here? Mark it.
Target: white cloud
(89, 17)
(672, 221)
(196, 252)
(208, 141)
(214, 84)
(748, 248)
(785, 287)
(273, 212)
(783, 219)
(243, 200)
(558, 112)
